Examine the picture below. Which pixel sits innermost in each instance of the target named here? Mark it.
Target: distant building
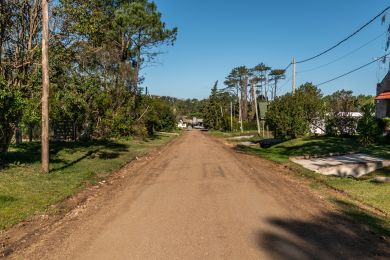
(194, 122)
(181, 124)
(319, 127)
(383, 98)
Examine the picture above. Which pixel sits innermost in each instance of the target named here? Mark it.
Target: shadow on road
(331, 236)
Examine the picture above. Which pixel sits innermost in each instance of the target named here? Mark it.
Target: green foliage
(286, 117)
(369, 127)
(160, 117)
(386, 121)
(290, 116)
(97, 50)
(339, 106)
(340, 124)
(11, 108)
(216, 111)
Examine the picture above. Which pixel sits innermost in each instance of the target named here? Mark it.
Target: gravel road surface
(200, 199)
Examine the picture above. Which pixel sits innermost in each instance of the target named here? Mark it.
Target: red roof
(383, 96)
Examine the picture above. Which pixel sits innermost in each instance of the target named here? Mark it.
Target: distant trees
(216, 114)
(259, 78)
(275, 76)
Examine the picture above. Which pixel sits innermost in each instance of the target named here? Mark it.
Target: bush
(290, 116)
(369, 127)
(340, 124)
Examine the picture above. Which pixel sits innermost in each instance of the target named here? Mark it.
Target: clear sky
(217, 35)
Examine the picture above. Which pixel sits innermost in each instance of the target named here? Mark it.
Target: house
(383, 98)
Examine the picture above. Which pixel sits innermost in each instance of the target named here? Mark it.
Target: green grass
(362, 190)
(24, 191)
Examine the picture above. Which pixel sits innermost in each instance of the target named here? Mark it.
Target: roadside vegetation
(362, 199)
(25, 192)
(100, 114)
(307, 123)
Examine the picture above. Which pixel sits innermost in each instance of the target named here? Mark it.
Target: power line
(352, 71)
(347, 38)
(288, 66)
(344, 56)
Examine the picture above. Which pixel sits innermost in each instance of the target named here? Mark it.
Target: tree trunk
(244, 99)
(253, 94)
(45, 87)
(18, 134)
(30, 133)
(136, 70)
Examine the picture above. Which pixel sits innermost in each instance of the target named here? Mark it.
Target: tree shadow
(88, 154)
(321, 146)
(28, 153)
(331, 236)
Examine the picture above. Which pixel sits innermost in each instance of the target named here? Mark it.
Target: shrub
(369, 127)
(340, 124)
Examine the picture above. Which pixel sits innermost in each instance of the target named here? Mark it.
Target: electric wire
(344, 56)
(347, 38)
(354, 70)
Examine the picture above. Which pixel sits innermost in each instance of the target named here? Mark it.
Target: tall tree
(253, 82)
(275, 76)
(262, 71)
(242, 74)
(144, 30)
(233, 82)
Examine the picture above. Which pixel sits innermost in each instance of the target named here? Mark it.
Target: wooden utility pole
(240, 114)
(45, 87)
(294, 76)
(257, 117)
(231, 116)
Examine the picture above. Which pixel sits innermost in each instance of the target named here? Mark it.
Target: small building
(181, 124)
(383, 98)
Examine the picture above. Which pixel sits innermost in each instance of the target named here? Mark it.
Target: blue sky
(217, 35)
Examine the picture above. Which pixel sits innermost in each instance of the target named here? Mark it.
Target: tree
(232, 81)
(96, 51)
(275, 76)
(339, 107)
(310, 98)
(369, 127)
(215, 111)
(11, 107)
(142, 29)
(262, 71)
(253, 82)
(290, 116)
(286, 118)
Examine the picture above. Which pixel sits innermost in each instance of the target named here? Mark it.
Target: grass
(24, 191)
(361, 190)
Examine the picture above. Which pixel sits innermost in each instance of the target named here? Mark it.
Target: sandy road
(201, 200)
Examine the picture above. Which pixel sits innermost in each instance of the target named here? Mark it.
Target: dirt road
(199, 199)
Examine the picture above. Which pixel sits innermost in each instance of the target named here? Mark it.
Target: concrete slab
(355, 165)
(241, 137)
